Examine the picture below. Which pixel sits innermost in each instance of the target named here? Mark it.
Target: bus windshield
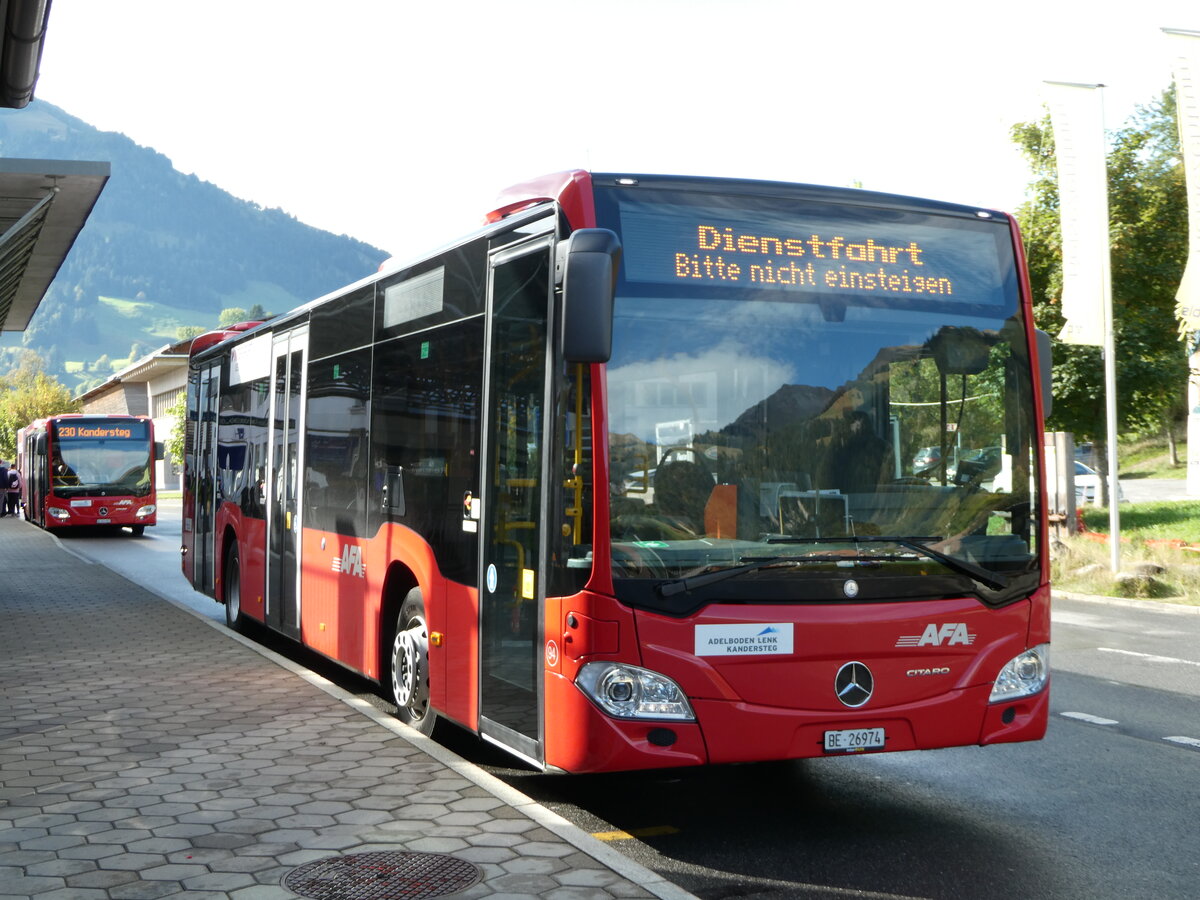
(98, 458)
(816, 385)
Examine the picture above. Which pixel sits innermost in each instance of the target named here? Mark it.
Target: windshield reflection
(86, 468)
(738, 422)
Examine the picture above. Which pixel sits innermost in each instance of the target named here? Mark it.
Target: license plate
(854, 739)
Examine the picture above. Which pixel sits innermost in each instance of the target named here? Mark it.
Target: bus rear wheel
(233, 591)
(410, 665)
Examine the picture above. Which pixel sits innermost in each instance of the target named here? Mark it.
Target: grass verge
(1148, 457)
(1160, 554)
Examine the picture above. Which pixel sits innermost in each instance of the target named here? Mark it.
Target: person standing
(4, 487)
(13, 500)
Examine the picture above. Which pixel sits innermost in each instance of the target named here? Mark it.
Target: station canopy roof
(43, 203)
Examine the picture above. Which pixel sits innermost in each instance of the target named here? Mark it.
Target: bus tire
(137, 529)
(410, 665)
(233, 591)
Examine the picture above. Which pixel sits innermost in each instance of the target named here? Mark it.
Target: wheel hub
(406, 670)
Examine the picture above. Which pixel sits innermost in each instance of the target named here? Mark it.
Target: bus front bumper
(581, 738)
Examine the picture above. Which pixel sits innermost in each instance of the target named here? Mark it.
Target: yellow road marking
(652, 831)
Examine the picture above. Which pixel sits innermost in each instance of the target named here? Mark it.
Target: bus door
(514, 474)
(37, 484)
(206, 383)
(285, 468)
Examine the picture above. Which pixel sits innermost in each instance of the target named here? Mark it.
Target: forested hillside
(162, 250)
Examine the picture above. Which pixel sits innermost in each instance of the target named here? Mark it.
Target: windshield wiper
(918, 545)
(682, 585)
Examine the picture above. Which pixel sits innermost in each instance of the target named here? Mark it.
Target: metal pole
(1110, 389)
(1110, 385)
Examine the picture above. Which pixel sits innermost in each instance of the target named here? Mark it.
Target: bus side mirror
(1045, 365)
(159, 450)
(589, 283)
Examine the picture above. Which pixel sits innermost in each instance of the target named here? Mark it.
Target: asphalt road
(1142, 490)
(1104, 807)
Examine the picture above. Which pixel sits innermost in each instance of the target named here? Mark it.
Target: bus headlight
(55, 513)
(631, 692)
(147, 510)
(1023, 675)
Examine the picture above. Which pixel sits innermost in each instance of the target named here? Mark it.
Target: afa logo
(934, 635)
(351, 561)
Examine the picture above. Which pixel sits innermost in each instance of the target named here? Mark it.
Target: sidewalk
(146, 752)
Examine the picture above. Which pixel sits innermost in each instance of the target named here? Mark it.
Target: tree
(28, 393)
(231, 316)
(1147, 214)
(1150, 246)
(184, 332)
(174, 443)
(136, 351)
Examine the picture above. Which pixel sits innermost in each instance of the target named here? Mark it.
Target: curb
(1156, 605)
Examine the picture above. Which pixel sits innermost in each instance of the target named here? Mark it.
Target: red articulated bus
(625, 479)
(88, 470)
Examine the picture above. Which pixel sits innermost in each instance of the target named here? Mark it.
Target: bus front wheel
(233, 591)
(410, 665)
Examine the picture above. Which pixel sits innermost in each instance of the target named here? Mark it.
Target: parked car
(926, 460)
(975, 465)
(1087, 485)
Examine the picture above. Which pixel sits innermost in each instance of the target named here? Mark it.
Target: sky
(398, 122)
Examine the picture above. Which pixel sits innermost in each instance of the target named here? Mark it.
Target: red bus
(625, 479)
(88, 470)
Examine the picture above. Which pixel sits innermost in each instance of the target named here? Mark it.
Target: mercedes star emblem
(854, 684)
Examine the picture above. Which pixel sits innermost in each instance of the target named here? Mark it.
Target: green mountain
(161, 250)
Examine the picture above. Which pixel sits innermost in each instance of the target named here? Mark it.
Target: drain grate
(390, 875)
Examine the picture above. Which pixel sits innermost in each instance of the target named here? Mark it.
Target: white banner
(1077, 115)
(1185, 63)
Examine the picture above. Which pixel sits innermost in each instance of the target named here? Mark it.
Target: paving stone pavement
(147, 753)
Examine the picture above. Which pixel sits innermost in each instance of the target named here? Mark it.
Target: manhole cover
(382, 876)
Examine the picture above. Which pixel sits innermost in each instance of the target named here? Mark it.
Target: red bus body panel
(341, 613)
(251, 537)
(113, 511)
(754, 708)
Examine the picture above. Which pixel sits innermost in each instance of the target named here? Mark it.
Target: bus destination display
(942, 259)
(94, 432)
